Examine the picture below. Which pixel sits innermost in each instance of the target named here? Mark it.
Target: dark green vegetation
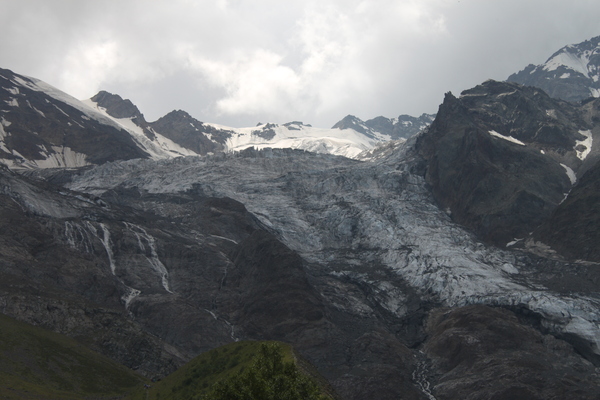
(241, 370)
(268, 378)
(39, 364)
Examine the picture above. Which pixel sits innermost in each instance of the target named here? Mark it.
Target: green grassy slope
(39, 364)
(196, 377)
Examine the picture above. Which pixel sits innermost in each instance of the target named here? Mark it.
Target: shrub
(268, 378)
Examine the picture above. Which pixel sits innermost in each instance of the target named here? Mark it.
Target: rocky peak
(296, 125)
(572, 73)
(188, 132)
(502, 156)
(402, 127)
(120, 108)
(116, 106)
(351, 122)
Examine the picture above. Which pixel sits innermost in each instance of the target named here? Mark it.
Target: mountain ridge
(572, 73)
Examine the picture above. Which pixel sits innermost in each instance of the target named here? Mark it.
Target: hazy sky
(238, 62)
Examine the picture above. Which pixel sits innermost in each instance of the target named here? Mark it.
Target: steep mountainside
(402, 127)
(574, 227)
(42, 127)
(572, 73)
(501, 157)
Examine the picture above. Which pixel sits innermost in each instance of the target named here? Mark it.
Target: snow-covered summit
(572, 73)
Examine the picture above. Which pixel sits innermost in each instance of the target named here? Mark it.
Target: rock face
(570, 74)
(574, 227)
(402, 127)
(120, 108)
(190, 133)
(502, 157)
(490, 354)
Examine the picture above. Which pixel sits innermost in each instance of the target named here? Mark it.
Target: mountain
(571, 74)
(390, 274)
(501, 157)
(402, 127)
(42, 127)
(197, 138)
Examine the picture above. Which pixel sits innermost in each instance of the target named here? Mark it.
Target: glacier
(362, 220)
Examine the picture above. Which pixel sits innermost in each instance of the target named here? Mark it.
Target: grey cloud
(240, 62)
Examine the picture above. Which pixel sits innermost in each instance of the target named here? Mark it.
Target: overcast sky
(239, 62)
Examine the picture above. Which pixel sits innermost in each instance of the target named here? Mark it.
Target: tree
(268, 378)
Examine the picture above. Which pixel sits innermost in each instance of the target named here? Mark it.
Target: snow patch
(508, 138)
(565, 75)
(56, 157)
(570, 173)
(13, 90)
(130, 295)
(60, 109)
(507, 94)
(587, 142)
(513, 242)
(12, 102)
(569, 60)
(343, 142)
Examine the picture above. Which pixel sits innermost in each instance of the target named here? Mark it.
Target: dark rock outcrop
(480, 352)
(190, 133)
(494, 155)
(119, 108)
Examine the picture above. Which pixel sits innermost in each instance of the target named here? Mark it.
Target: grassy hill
(38, 364)
(196, 378)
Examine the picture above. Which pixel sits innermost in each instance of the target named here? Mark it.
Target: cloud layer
(238, 62)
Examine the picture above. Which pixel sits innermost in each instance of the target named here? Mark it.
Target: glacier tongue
(356, 218)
